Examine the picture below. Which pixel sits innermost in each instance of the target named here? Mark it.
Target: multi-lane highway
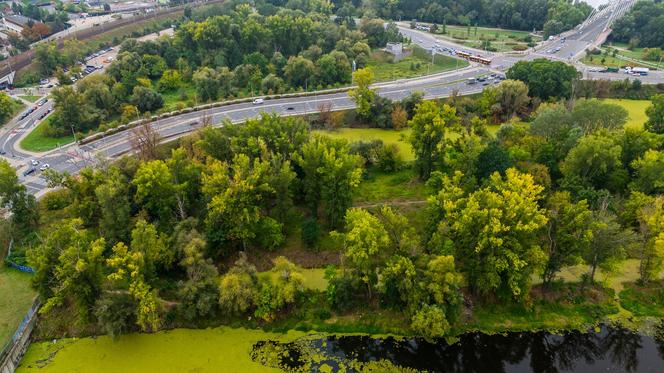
(73, 157)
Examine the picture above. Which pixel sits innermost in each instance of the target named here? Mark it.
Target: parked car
(28, 171)
(34, 162)
(44, 167)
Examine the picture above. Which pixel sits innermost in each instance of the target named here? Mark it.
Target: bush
(368, 150)
(519, 47)
(56, 200)
(389, 158)
(310, 233)
(344, 292)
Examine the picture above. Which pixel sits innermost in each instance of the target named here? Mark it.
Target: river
(606, 350)
(225, 349)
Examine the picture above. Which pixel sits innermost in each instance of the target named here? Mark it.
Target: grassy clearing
(418, 64)
(30, 98)
(15, 299)
(609, 61)
(399, 187)
(367, 134)
(501, 39)
(37, 141)
(636, 110)
(644, 300)
(179, 99)
(569, 310)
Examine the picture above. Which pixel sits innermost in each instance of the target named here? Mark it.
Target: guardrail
(136, 123)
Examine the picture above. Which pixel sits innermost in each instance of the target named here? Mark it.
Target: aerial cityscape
(332, 186)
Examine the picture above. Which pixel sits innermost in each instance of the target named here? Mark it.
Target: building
(15, 23)
(394, 48)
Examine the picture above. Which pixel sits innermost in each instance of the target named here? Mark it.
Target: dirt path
(390, 203)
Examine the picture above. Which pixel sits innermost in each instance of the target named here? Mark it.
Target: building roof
(18, 19)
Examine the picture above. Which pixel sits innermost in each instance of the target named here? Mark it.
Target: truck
(643, 71)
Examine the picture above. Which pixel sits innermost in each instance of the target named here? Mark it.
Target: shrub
(310, 233)
(389, 158)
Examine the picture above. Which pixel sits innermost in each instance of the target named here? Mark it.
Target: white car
(34, 162)
(257, 101)
(44, 167)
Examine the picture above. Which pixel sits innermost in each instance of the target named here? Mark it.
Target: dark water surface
(610, 350)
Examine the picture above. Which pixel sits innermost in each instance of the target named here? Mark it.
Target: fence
(13, 350)
(14, 265)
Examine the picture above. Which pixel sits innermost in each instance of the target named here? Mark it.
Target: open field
(418, 64)
(501, 39)
(31, 98)
(36, 141)
(16, 296)
(636, 110)
(368, 134)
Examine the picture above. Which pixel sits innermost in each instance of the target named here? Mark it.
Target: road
(73, 157)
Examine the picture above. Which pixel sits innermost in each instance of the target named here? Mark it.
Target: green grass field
(607, 61)
(30, 98)
(501, 39)
(418, 64)
(36, 141)
(367, 134)
(636, 110)
(16, 297)
(400, 187)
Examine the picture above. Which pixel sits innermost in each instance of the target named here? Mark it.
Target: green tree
(649, 173)
(237, 195)
(238, 289)
(545, 78)
(364, 241)
(655, 114)
(331, 174)
(155, 190)
(512, 96)
(493, 232)
(169, 81)
(23, 206)
(129, 270)
(568, 234)
(146, 99)
(280, 290)
(115, 210)
(199, 292)
(593, 115)
(7, 106)
(650, 248)
(596, 161)
(362, 94)
(609, 243)
(153, 248)
(206, 81)
(299, 71)
(68, 267)
(429, 125)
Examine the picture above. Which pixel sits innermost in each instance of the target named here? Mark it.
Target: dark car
(290, 108)
(29, 171)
